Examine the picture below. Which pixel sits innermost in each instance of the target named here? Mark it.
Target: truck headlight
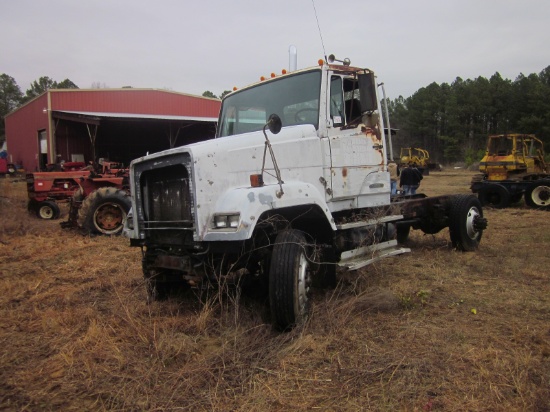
(227, 221)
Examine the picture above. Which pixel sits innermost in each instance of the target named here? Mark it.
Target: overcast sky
(193, 46)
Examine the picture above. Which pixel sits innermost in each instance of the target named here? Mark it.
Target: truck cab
(294, 185)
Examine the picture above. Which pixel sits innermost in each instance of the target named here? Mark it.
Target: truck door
(356, 149)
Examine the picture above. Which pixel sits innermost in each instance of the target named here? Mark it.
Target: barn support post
(92, 134)
(50, 134)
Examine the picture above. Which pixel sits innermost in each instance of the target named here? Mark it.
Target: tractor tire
(47, 210)
(104, 211)
(537, 195)
(289, 280)
(465, 227)
(494, 195)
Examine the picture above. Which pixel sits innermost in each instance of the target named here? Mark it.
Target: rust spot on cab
(344, 172)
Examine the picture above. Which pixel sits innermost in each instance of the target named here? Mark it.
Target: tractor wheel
(466, 223)
(289, 280)
(538, 195)
(494, 195)
(104, 211)
(47, 210)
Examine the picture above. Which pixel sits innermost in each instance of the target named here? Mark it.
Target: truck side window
(336, 101)
(352, 101)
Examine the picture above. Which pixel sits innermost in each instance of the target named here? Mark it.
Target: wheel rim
(304, 282)
(109, 218)
(46, 212)
(541, 195)
(471, 217)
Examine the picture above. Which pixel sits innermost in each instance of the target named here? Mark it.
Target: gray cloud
(193, 46)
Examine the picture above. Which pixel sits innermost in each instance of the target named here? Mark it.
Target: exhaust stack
(292, 58)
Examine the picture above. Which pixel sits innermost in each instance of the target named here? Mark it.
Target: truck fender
(252, 202)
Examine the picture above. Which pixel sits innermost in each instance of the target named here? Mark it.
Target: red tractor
(99, 201)
(47, 189)
(101, 204)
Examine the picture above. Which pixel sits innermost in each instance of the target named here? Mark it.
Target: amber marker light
(262, 78)
(235, 88)
(283, 71)
(273, 75)
(321, 62)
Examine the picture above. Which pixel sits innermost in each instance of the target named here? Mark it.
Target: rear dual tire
(495, 195)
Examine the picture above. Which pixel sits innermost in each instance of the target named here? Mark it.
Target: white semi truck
(294, 184)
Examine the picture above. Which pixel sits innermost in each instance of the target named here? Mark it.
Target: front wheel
(47, 209)
(289, 280)
(104, 211)
(538, 195)
(466, 222)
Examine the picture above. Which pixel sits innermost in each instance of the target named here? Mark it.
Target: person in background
(410, 179)
(394, 176)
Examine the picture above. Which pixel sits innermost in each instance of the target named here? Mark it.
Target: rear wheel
(466, 222)
(289, 280)
(104, 211)
(538, 195)
(494, 195)
(47, 210)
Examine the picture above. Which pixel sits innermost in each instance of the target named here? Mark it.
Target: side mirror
(274, 123)
(367, 92)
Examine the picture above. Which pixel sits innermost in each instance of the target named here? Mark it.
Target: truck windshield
(295, 98)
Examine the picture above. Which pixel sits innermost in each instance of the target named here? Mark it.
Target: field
(433, 330)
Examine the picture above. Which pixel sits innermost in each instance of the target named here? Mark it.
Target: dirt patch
(435, 329)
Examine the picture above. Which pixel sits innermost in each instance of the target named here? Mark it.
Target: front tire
(466, 223)
(104, 211)
(47, 210)
(289, 280)
(538, 195)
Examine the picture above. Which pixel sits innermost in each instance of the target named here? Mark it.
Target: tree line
(11, 96)
(452, 121)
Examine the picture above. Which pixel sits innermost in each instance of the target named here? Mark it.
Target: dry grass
(76, 332)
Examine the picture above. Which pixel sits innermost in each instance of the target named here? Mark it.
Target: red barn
(115, 124)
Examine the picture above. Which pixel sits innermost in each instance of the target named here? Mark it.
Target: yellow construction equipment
(420, 158)
(513, 166)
